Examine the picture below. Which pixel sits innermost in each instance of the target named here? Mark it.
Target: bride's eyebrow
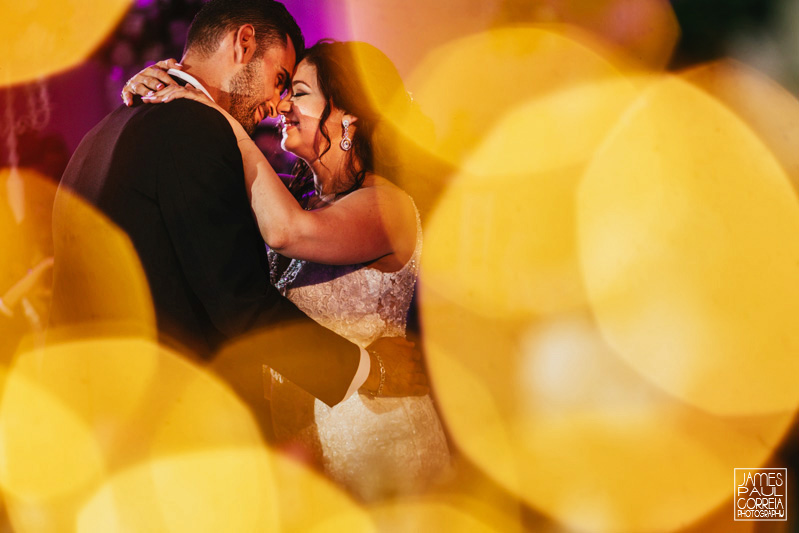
(294, 83)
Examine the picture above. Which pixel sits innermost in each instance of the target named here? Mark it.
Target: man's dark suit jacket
(170, 175)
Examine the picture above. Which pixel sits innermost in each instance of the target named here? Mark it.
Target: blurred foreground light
(27, 240)
(25, 245)
(687, 228)
(121, 434)
(406, 29)
(768, 109)
(554, 415)
(99, 286)
(219, 490)
(504, 231)
(472, 84)
(310, 502)
(44, 37)
(607, 308)
(647, 30)
(439, 513)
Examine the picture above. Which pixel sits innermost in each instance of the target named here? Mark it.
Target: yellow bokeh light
(559, 292)
(99, 285)
(505, 228)
(220, 490)
(32, 467)
(768, 109)
(437, 513)
(550, 411)
(470, 85)
(310, 502)
(26, 202)
(646, 30)
(47, 36)
(396, 27)
(687, 226)
(139, 429)
(553, 131)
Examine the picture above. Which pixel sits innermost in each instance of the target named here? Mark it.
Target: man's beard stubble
(242, 101)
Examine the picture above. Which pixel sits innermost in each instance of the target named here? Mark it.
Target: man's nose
(271, 109)
(284, 106)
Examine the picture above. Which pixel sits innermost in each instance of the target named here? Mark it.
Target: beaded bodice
(359, 303)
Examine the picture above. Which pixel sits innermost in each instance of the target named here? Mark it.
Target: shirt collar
(188, 78)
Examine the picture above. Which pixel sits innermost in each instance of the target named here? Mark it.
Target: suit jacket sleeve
(206, 210)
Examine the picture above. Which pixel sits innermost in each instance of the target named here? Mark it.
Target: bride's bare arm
(366, 225)
(363, 226)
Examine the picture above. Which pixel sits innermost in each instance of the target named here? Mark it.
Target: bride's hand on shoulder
(149, 80)
(175, 91)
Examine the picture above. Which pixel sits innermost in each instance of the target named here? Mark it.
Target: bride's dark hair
(359, 79)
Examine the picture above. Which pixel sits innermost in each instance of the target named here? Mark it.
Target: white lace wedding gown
(375, 447)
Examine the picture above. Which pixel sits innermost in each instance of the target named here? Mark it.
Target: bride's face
(301, 110)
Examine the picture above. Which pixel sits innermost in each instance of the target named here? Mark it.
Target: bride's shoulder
(390, 196)
(384, 188)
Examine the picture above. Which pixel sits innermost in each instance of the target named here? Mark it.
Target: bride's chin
(299, 153)
(285, 144)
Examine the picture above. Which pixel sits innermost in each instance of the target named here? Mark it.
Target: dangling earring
(346, 142)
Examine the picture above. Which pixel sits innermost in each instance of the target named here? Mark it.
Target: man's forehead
(281, 58)
(290, 56)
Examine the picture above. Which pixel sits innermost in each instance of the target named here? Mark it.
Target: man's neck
(188, 78)
(207, 72)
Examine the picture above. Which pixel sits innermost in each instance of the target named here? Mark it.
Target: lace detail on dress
(375, 447)
(359, 303)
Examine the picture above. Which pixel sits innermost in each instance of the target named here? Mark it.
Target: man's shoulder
(183, 111)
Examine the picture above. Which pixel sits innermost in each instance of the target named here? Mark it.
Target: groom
(171, 177)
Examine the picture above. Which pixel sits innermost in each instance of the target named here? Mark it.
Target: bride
(346, 252)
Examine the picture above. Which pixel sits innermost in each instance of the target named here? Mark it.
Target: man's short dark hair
(271, 20)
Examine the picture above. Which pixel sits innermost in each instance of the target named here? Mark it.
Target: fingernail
(150, 93)
(179, 64)
(159, 86)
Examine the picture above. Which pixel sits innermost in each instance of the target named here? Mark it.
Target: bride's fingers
(140, 85)
(153, 78)
(168, 64)
(173, 92)
(188, 92)
(163, 95)
(157, 73)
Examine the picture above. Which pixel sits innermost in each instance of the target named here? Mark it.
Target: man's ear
(244, 44)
